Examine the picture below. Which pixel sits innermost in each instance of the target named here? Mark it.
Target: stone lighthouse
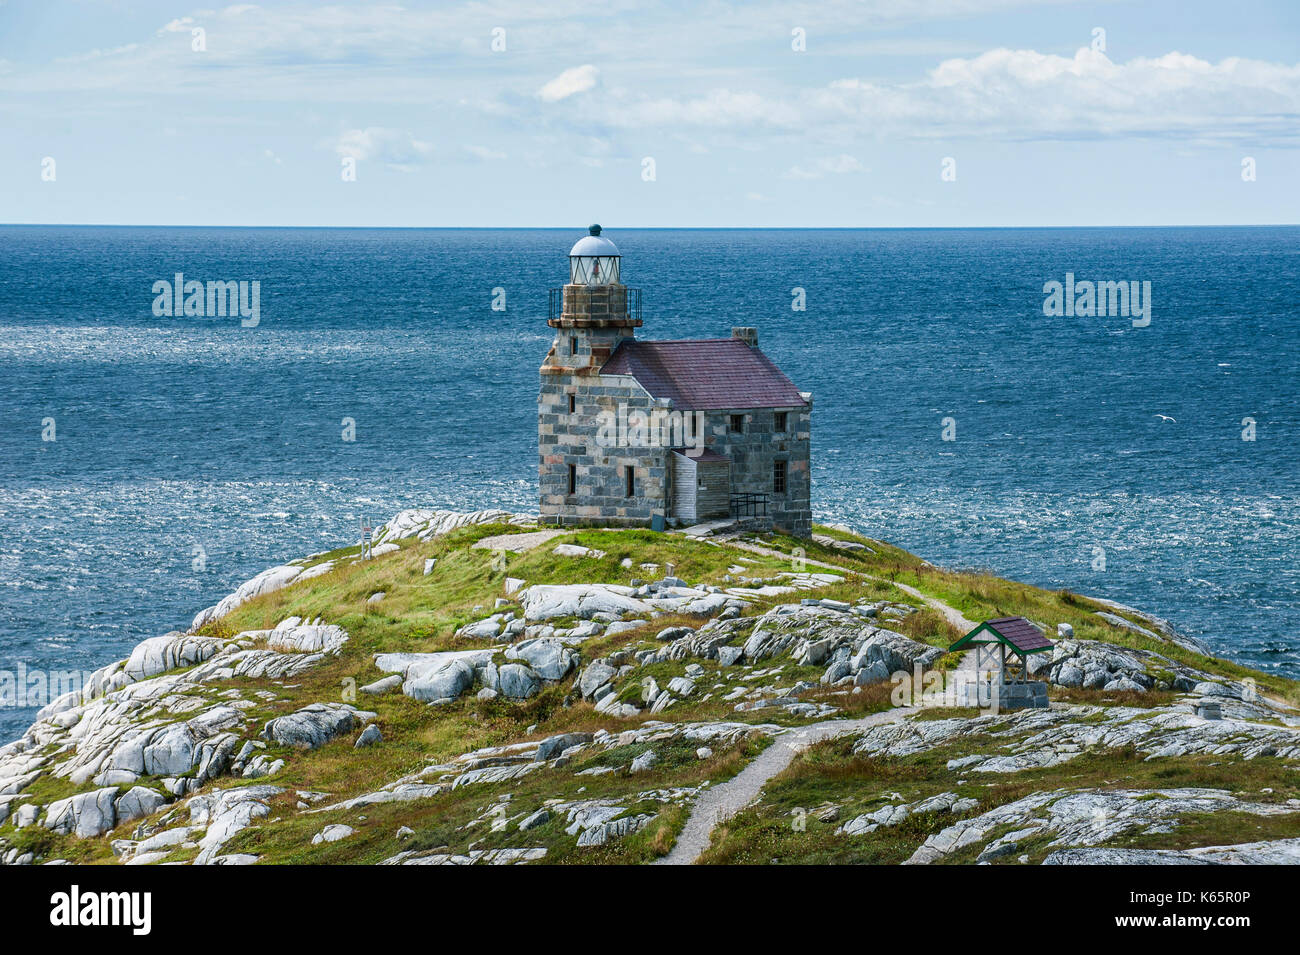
(662, 433)
(593, 317)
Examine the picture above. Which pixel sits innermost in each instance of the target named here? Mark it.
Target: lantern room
(594, 260)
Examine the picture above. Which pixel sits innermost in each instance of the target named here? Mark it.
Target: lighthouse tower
(581, 478)
(593, 314)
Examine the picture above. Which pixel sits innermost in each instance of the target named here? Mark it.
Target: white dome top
(594, 244)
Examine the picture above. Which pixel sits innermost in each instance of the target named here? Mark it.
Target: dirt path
(952, 614)
(719, 803)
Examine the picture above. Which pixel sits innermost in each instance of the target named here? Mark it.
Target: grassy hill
(472, 786)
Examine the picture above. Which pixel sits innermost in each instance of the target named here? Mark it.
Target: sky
(930, 113)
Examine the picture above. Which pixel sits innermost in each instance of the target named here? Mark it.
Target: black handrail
(555, 304)
(749, 505)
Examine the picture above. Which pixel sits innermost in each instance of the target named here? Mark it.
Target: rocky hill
(478, 689)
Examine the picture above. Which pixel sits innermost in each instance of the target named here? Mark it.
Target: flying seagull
(1165, 417)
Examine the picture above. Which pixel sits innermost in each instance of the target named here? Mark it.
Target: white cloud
(439, 58)
(718, 108)
(1012, 94)
(1031, 95)
(485, 154)
(826, 166)
(579, 79)
(394, 147)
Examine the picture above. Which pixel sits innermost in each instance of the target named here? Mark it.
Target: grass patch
(783, 827)
(459, 820)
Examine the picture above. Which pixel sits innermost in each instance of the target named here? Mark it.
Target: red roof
(1017, 632)
(1021, 634)
(705, 374)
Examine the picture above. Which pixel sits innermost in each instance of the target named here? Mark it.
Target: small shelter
(1002, 650)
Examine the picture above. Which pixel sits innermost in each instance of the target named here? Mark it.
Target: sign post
(366, 530)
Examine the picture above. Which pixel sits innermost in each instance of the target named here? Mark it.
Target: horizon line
(640, 228)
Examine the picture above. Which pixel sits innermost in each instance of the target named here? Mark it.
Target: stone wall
(754, 449)
(586, 440)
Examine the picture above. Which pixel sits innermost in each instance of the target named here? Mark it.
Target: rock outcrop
(1278, 852)
(1041, 738)
(315, 725)
(160, 748)
(1081, 819)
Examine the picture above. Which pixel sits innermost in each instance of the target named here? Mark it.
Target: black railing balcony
(631, 303)
(749, 505)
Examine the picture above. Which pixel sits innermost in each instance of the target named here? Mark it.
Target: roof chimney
(747, 335)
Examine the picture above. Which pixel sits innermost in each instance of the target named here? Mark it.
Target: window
(779, 421)
(629, 474)
(573, 344)
(736, 424)
(573, 403)
(778, 477)
(573, 479)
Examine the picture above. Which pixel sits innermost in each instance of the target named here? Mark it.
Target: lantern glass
(593, 269)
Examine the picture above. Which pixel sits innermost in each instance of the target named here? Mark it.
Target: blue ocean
(190, 453)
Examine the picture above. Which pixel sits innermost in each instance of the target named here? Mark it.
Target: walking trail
(719, 803)
(952, 614)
